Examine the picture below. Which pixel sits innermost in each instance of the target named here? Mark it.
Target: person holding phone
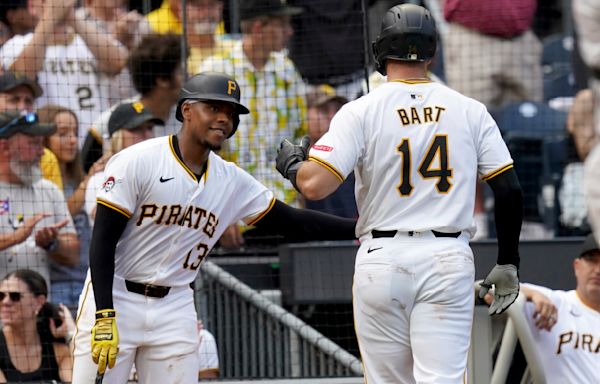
(33, 337)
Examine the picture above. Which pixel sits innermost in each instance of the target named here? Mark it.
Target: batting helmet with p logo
(212, 86)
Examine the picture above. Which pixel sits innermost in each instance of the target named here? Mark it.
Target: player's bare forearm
(67, 252)
(316, 182)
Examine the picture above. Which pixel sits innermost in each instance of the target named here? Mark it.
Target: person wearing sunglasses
(35, 224)
(33, 343)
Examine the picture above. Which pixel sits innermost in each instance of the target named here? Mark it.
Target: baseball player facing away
(164, 204)
(416, 148)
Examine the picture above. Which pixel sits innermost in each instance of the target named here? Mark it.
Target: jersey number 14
(438, 148)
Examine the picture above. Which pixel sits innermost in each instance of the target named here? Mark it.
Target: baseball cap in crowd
(589, 245)
(250, 9)
(11, 80)
(321, 94)
(130, 116)
(12, 122)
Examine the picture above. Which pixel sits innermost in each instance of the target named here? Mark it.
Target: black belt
(378, 234)
(147, 289)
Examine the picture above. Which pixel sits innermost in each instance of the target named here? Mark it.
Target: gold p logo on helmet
(231, 87)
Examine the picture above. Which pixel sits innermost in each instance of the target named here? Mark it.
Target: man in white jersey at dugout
(566, 324)
(416, 148)
(164, 204)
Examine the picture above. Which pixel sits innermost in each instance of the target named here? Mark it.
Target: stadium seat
(557, 66)
(536, 137)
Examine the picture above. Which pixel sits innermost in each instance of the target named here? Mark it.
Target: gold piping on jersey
(85, 297)
(114, 207)
(495, 173)
(263, 213)
(329, 167)
(180, 161)
(415, 81)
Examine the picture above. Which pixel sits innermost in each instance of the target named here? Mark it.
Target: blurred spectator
(328, 45)
(35, 224)
(323, 103)
(586, 14)
(272, 88)
(168, 18)
(129, 123)
(580, 125)
(203, 20)
(34, 331)
(491, 55)
(111, 18)
(66, 282)
(209, 357)
(18, 93)
(67, 54)
(155, 70)
(566, 324)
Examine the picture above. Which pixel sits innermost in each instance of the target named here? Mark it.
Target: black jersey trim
(114, 207)
(328, 166)
(495, 173)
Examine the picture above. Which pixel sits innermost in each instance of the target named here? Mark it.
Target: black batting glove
(289, 158)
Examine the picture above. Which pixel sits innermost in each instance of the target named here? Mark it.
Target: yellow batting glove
(105, 339)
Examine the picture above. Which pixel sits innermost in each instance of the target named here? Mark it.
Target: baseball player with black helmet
(416, 148)
(163, 205)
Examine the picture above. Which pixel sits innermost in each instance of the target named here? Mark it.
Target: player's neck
(588, 301)
(193, 155)
(406, 71)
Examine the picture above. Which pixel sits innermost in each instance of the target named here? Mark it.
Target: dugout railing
(257, 338)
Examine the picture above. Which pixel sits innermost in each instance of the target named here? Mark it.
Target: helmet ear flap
(236, 122)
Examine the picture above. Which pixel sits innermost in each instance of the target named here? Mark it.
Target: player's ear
(186, 111)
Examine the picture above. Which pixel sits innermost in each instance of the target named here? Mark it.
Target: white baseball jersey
(209, 357)
(175, 219)
(69, 77)
(417, 149)
(570, 351)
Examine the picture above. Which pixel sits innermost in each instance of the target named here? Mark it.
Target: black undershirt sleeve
(108, 228)
(508, 212)
(305, 224)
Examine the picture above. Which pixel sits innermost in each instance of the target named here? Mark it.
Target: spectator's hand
(67, 328)
(99, 165)
(46, 235)
(546, 313)
(232, 237)
(24, 231)
(126, 26)
(506, 282)
(57, 11)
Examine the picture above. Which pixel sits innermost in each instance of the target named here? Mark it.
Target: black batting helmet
(407, 33)
(212, 86)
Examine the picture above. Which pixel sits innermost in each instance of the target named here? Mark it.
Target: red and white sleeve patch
(324, 148)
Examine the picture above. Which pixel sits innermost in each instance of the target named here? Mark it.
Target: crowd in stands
(81, 80)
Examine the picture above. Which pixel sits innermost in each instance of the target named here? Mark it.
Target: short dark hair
(7, 5)
(34, 281)
(156, 56)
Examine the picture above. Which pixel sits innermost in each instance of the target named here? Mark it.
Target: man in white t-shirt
(566, 324)
(35, 224)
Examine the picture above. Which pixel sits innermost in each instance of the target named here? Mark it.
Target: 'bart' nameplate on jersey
(174, 218)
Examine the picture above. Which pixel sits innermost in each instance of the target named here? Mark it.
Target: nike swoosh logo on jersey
(165, 180)
(373, 249)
